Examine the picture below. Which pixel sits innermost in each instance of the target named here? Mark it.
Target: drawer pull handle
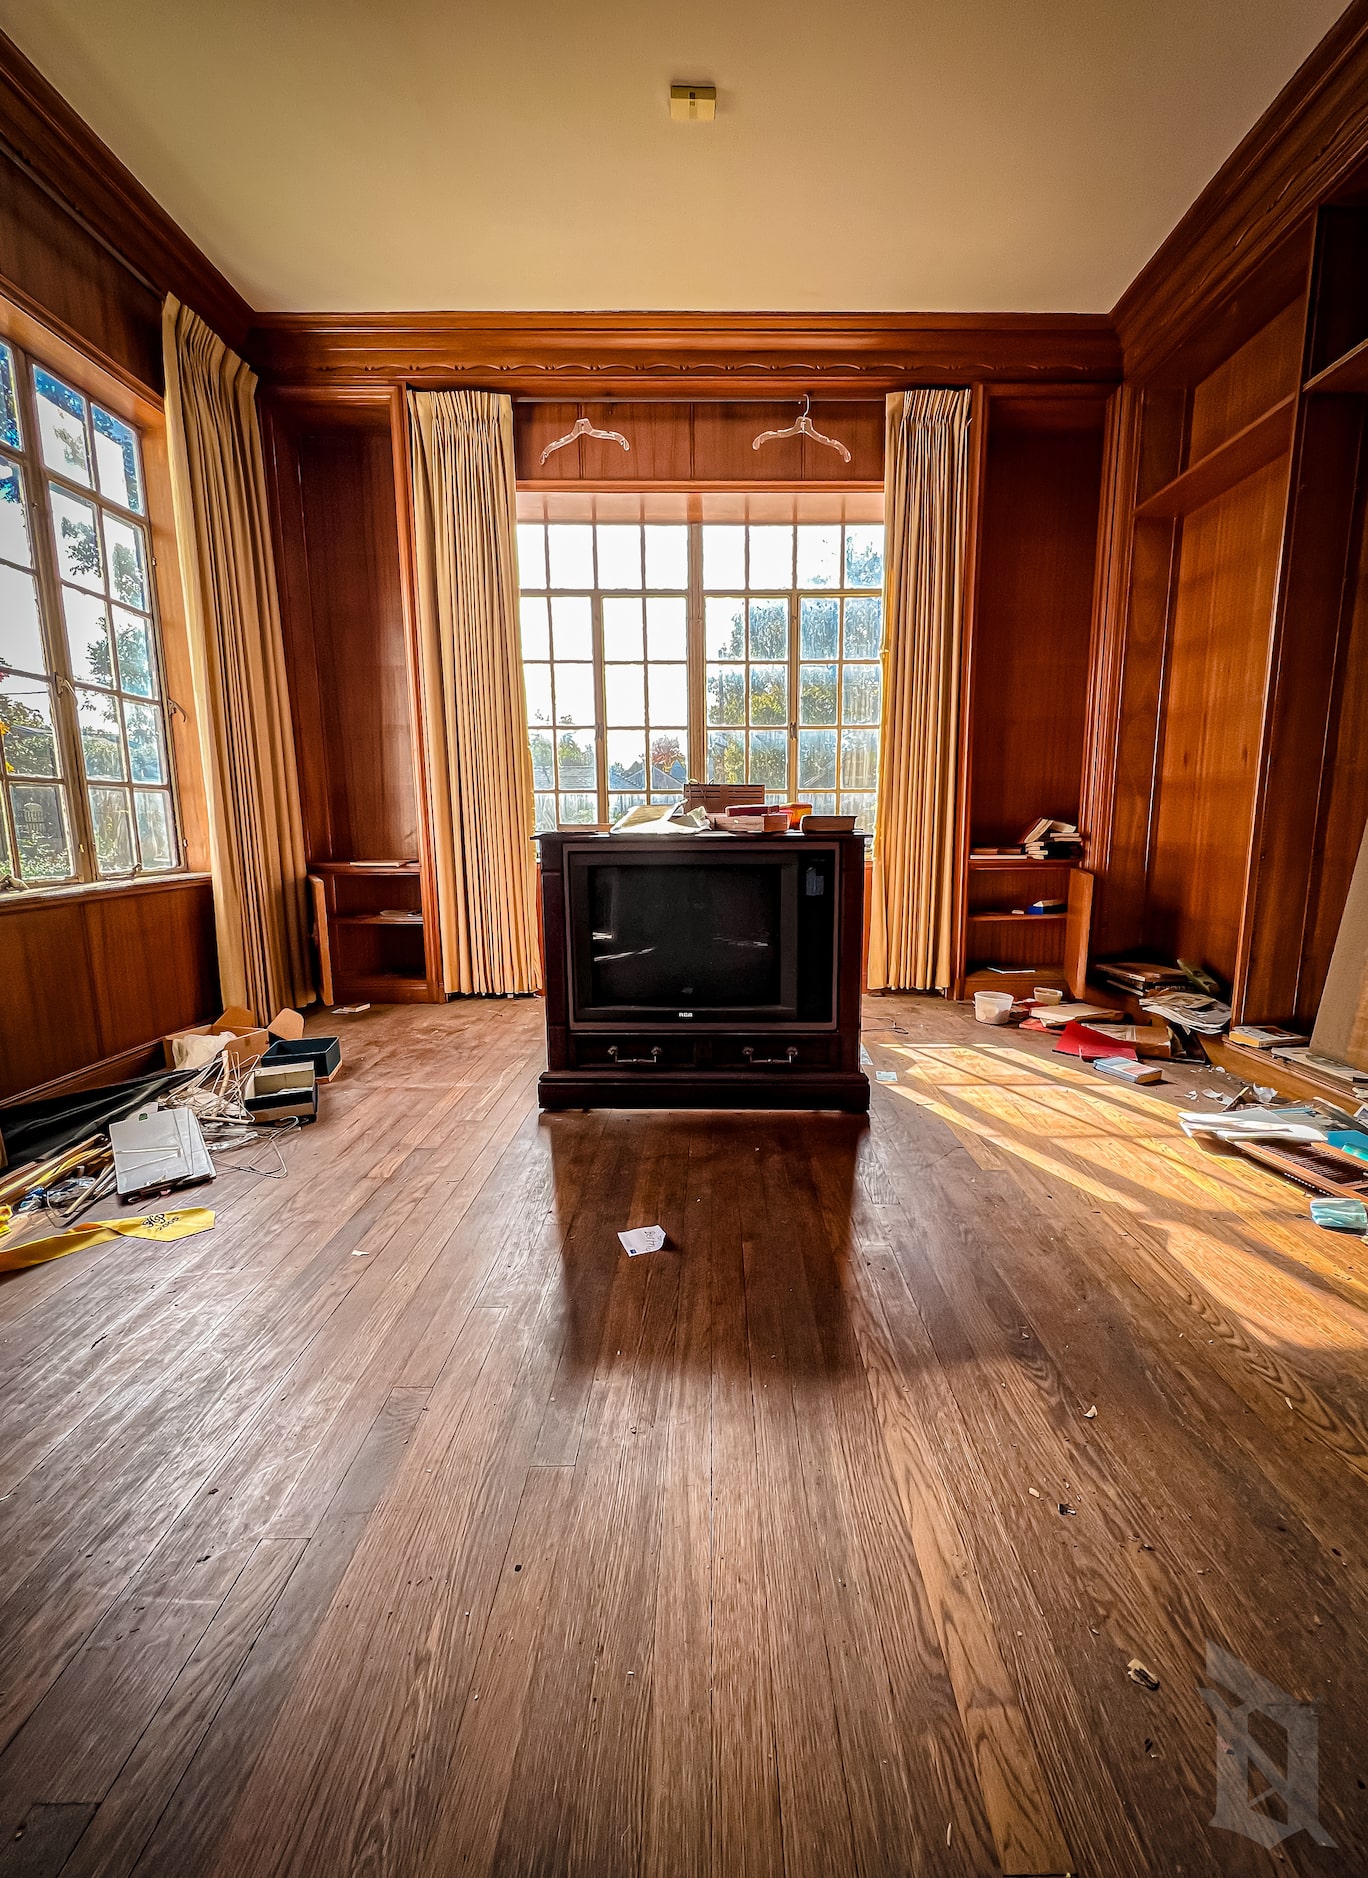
(786, 1061)
(635, 1062)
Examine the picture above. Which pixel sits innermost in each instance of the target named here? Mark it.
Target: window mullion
(52, 620)
(793, 696)
(695, 654)
(600, 706)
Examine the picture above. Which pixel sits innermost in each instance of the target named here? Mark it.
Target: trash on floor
(1342, 1215)
(181, 1225)
(1126, 1068)
(642, 1239)
(158, 1150)
(1137, 1672)
(347, 1010)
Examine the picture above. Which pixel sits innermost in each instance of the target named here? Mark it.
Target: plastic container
(993, 1007)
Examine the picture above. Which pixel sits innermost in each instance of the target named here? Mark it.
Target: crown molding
(45, 139)
(682, 355)
(1304, 147)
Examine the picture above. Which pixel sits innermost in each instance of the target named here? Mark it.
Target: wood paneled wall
(1033, 612)
(708, 445)
(89, 983)
(342, 601)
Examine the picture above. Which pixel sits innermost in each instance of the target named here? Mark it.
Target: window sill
(15, 901)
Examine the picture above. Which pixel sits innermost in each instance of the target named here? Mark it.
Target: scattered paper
(642, 1239)
(885, 1075)
(347, 1010)
(1090, 1414)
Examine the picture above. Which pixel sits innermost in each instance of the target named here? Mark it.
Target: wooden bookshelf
(1346, 374)
(1257, 444)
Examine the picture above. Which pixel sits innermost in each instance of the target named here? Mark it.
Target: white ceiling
(922, 155)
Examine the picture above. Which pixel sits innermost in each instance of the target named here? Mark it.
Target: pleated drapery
(242, 709)
(475, 718)
(926, 510)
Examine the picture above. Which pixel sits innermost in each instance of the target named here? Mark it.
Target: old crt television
(691, 934)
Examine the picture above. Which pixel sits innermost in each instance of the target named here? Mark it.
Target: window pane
(859, 759)
(726, 629)
(769, 758)
(622, 629)
(155, 846)
(619, 554)
(819, 621)
(724, 563)
(577, 759)
(571, 549)
(14, 535)
(862, 808)
(817, 694)
(113, 821)
(543, 750)
(531, 555)
(61, 427)
(624, 688)
(133, 644)
(822, 804)
(667, 554)
(544, 808)
(572, 627)
(116, 460)
(127, 572)
(771, 556)
(668, 693)
(40, 831)
(101, 735)
(534, 626)
(769, 694)
(819, 556)
(87, 624)
(146, 759)
(669, 760)
(78, 540)
(863, 629)
(666, 629)
(7, 864)
(816, 761)
(620, 805)
(537, 685)
(26, 728)
(864, 557)
(575, 694)
(579, 811)
(727, 696)
(626, 759)
(862, 694)
(21, 636)
(726, 756)
(769, 629)
(9, 401)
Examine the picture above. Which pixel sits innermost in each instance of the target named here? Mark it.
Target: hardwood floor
(403, 1525)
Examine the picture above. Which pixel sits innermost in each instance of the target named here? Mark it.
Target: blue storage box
(325, 1053)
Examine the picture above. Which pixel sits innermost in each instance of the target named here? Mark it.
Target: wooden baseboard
(142, 1059)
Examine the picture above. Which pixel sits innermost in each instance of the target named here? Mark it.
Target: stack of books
(1047, 840)
(1143, 976)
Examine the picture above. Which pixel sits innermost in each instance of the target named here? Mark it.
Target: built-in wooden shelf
(1018, 863)
(377, 919)
(1347, 373)
(1015, 919)
(1259, 443)
(369, 870)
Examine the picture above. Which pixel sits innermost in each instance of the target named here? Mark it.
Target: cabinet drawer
(774, 1052)
(633, 1055)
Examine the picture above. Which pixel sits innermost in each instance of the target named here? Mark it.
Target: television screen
(693, 936)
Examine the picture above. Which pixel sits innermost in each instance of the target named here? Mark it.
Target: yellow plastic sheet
(181, 1225)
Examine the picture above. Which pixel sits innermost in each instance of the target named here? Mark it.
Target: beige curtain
(926, 508)
(242, 709)
(475, 719)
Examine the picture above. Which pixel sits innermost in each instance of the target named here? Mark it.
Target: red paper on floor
(1081, 1040)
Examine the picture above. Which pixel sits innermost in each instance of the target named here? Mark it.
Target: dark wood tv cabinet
(769, 1063)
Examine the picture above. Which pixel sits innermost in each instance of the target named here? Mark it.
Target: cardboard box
(325, 1053)
(247, 1040)
(282, 1092)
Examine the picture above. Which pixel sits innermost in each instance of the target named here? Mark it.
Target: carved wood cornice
(1303, 149)
(45, 139)
(682, 355)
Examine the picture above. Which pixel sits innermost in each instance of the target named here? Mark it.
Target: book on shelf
(1297, 1056)
(1140, 975)
(1266, 1037)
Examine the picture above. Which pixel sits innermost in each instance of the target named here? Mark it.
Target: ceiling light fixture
(693, 104)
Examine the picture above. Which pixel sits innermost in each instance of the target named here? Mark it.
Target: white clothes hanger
(583, 428)
(804, 427)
